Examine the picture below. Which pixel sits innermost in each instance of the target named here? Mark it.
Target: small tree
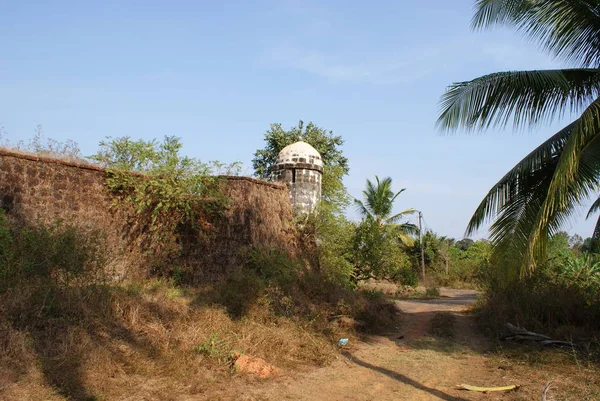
(378, 206)
(378, 238)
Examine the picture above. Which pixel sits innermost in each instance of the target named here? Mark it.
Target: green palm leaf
(574, 179)
(398, 216)
(515, 185)
(568, 29)
(542, 191)
(517, 199)
(378, 204)
(526, 97)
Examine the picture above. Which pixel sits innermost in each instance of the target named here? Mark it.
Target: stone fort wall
(36, 190)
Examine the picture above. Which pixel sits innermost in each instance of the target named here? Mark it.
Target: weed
(442, 325)
(373, 294)
(215, 348)
(432, 292)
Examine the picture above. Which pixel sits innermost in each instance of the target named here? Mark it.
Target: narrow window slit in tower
(294, 175)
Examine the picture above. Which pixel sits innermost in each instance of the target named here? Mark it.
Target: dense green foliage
(532, 201)
(452, 263)
(286, 287)
(378, 254)
(377, 207)
(334, 235)
(560, 297)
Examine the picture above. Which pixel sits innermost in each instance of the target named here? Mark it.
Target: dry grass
(151, 338)
(138, 339)
(572, 377)
(156, 340)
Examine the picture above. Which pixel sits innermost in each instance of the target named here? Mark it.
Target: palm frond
(409, 229)
(525, 97)
(596, 234)
(568, 29)
(396, 194)
(517, 182)
(406, 240)
(575, 177)
(362, 209)
(395, 218)
(594, 208)
(519, 198)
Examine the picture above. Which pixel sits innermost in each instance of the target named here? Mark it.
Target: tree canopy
(335, 164)
(378, 205)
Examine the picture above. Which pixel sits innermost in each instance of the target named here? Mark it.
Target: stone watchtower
(300, 167)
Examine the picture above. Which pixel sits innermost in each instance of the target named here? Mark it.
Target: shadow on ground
(403, 379)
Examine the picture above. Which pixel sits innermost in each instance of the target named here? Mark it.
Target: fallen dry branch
(545, 391)
(487, 389)
(520, 334)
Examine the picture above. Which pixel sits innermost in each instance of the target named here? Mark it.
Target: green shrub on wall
(163, 189)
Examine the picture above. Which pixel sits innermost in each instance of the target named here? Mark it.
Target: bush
(432, 292)
(163, 196)
(169, 189)
(406, 276)
(557, 300)
(378, 255)
(333, 232)
(50, 255)
(239, 292)
(274, 267)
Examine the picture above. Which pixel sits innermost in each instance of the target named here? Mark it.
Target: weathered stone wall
(37, 190)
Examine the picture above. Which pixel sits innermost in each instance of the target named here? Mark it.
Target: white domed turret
(300, 166)
(300, 152)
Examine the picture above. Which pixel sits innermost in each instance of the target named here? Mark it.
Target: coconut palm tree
(378, 206)
(543, 190)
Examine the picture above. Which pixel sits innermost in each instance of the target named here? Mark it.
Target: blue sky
(217, 74)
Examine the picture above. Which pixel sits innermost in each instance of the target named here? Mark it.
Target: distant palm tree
(542, 191)
(378, 206)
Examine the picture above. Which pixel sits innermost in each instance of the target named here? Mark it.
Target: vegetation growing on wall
(45, 147)
(165, 190)
(48, 256)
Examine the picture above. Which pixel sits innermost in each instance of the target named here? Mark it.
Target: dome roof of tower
(299, 152)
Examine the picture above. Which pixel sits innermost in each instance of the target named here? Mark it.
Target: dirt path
(406, 365)
(418, 313)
